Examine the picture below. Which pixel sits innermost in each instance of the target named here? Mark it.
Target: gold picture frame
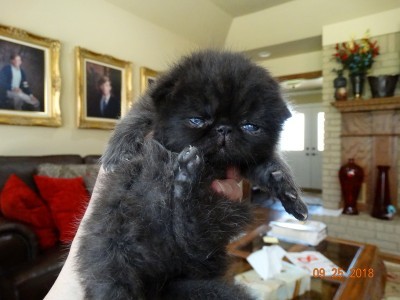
(147, 77)
(104, 89)
(30, 81)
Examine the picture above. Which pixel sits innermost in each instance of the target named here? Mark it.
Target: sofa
(26, 270)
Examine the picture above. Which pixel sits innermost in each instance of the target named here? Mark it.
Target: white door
(302, 143)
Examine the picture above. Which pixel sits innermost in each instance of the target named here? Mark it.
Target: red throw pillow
(18, 202)
(67, 199)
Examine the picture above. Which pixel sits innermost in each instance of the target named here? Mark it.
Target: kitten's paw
(189, 164)
(292, 202)
(279, 182)
(187, 170)
(287, 192)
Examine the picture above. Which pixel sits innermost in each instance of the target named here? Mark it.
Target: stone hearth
(363, 228)
(347, 135)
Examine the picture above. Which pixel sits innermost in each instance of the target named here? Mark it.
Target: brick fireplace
(369, 133)
(350, 134)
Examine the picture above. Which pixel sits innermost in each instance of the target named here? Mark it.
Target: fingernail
(220, 187)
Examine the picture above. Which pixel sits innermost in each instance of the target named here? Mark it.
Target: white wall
(96, 25)
(378, 24)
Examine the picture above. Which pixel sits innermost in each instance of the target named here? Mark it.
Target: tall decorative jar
(357, 84)
(383, 208)
(351, 177)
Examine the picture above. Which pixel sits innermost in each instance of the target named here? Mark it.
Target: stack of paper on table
(314, 262)
(291, 230)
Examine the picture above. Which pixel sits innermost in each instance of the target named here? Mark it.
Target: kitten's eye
(197, 122)
(251, 128)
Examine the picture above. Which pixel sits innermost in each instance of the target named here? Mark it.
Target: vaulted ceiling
(237, 8)
(282, 27)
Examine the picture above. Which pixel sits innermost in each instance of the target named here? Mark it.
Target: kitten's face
(219, 102)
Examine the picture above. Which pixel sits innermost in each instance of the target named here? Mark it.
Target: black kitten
(157, 230)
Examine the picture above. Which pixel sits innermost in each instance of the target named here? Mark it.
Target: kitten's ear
(283, 112)
(163, 89)
(286, 114)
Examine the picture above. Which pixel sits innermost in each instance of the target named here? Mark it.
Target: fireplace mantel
(373, 104)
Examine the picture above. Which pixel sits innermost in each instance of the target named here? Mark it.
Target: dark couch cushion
(92, 159)
(18, 244)
(33, 280)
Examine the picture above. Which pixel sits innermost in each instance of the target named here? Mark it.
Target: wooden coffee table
(366, 273)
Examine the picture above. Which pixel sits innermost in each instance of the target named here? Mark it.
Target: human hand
(230, 187)
(34, 101)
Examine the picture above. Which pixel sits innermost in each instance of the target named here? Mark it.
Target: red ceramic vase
(351, 177)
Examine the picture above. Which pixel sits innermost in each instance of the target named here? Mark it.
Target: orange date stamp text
(339, 273)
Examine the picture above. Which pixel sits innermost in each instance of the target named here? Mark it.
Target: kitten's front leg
(129, 135)
(276, 177)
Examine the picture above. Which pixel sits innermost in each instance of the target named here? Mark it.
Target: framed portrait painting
(104, 89)
(30, 79)
(147, 78)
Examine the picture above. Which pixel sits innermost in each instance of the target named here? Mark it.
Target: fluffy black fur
(157, 230)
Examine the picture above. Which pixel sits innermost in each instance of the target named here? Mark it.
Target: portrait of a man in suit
(103, 92)
(21, 77)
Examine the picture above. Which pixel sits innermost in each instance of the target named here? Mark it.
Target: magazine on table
(291, 230)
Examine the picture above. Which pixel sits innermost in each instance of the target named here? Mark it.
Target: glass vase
(357, 83)
(382, 208)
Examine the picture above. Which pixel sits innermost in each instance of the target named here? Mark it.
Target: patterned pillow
(87, 171)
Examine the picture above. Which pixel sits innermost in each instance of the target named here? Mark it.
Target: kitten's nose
(224, 129)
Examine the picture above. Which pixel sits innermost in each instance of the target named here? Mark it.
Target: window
(321, 131)
(292, 137)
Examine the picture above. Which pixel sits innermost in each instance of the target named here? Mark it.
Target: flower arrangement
(357, 57)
